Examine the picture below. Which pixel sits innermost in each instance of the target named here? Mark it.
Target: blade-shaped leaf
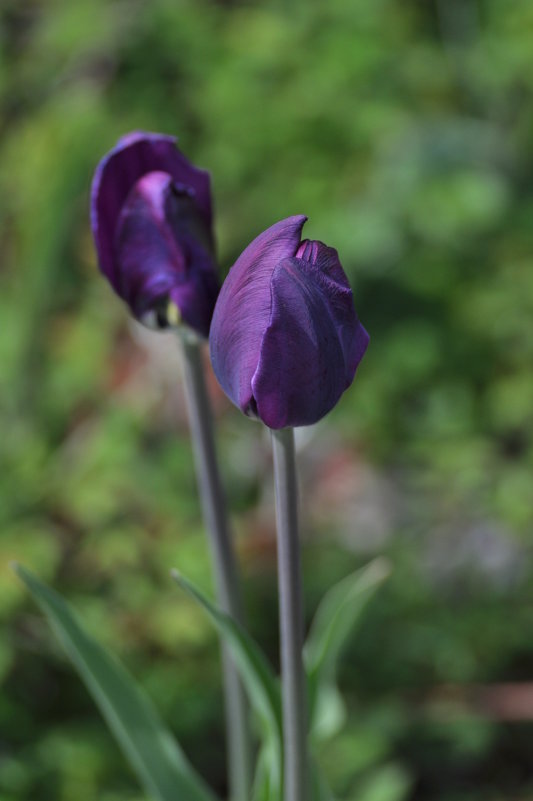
(255, 671)
(258, 679)
(335, 618)
(329, 712)
(263, 789)
(153, 753)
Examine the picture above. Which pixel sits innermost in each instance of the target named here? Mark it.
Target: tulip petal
(243, 309)
(313, 343)
(162, 253)
(329, 272)
(135, 155)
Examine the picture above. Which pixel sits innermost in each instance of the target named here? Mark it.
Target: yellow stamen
(173, 314)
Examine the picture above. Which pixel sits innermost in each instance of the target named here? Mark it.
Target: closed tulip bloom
(285, 338)
(152, 225)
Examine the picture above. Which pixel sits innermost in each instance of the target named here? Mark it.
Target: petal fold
(243, 309)
(135, 155)
(313, 343)
(329, 273)
(162, 253)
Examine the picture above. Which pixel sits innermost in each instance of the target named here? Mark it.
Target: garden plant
(139, 437)
(285, 342)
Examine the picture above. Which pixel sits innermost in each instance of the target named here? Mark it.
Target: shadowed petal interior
(160, 254)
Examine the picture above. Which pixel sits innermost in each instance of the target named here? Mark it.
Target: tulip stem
(224, 563)
(293, 684)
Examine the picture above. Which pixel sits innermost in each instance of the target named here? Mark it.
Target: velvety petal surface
(135, 155)
(243, 309)
(329, 272)
(162, 252)
(313, 343)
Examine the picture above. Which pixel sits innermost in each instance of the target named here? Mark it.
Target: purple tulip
(151, 221)
(285, 338)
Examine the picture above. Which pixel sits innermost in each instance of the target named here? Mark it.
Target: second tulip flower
(285, 338)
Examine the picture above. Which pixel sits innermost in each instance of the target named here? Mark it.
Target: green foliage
(403, 129)
(262, 688)
(334, 621)
(154, 756)
(388, 784)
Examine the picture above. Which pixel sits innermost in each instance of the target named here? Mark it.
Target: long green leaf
(328, 711)
(153, 753)
(255, 671)
(257, 676)
(334, 620)
(263, 790)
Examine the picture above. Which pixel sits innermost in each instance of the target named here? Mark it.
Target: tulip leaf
(264, 788)
(329, 712)
(334, 620)
(154, 755)
(260, 683)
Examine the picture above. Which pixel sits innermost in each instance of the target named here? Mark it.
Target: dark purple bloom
(285, 338)
(151, 221)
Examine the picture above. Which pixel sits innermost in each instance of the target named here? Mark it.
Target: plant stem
(291, 619)
(224, 563)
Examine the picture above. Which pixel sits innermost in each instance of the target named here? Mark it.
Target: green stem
(224, 563)
(291, 619)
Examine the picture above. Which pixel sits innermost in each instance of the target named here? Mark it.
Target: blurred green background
(404, 129)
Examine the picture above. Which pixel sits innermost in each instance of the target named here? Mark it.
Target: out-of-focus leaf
(263, 789)
(337, 614)
(154, 755)
(259, 681)
(335, 619)
(329, 712)
(389, 783)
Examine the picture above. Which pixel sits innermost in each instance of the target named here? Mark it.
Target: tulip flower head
(285, 338)
(152, 225)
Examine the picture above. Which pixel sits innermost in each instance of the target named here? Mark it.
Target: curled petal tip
(148, 136)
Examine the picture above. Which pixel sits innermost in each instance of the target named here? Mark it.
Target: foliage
(403, 129)
(154, 755)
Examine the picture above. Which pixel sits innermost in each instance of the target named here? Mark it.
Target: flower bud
(151, 221)
(285, 338)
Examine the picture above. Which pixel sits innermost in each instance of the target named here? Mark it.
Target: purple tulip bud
(151, 221)
(285, 338)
